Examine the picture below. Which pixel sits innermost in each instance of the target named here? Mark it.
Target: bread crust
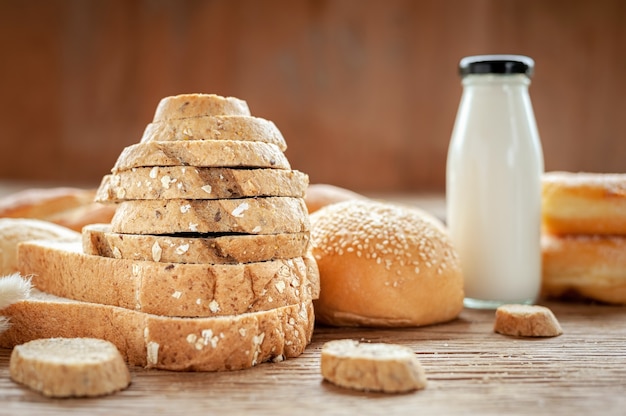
(584, 203)
(233, 127)
(272, 215)
(383, 264)
(198, 105)
(185, 182)
(69, 367)
(167, 343)
(589, 266)
(168, 289)
(201, 153)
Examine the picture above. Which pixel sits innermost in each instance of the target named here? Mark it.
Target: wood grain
(365, 92)
(471, 370)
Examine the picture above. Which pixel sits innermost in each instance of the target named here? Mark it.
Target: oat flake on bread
(384, 264)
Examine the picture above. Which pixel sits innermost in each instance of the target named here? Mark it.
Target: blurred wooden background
(364, 91)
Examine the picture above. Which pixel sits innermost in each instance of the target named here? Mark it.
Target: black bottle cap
(496, 64)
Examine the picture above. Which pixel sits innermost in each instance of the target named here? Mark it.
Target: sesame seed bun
(384, 265)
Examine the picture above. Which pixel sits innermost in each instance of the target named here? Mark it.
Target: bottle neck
(495, 79)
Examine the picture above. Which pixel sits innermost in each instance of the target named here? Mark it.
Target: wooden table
(471, 370)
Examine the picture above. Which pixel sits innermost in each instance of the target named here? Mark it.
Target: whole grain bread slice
(233, 127)
(69, 367)
(99, 240)
(202, 153)
(176, 182)
(169, 289)
(180, 344)
(197, 105)
(271, 215)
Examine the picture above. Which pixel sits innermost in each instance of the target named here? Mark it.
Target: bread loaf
(584, 203)
(388, 368)
(70, 207)
(587, 266)
(180, 344)
(272, 215)
(16, 230)
(69, 367)
(184, 182)
(245, 128)
(99, 240)
(198, 105)
(383, 264)
(201, 153)
(319, 195)
(168, 289)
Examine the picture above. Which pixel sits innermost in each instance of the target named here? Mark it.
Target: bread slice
(176, 182)
(272, 215)
(197, 105)
(169, 289)
(202, 153)
(246, 128)
(69, 367)
(526, 321)
(180, 344)
(98, 240)
(388, 368)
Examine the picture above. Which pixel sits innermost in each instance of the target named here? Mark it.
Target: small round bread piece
(15, 230)
(69, 367)
(384, 265)
(526, 321)
(587, 266)
(388, 368)
(584, 203)
(319, 195)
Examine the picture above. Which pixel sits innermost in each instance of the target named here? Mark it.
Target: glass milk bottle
(493, 182)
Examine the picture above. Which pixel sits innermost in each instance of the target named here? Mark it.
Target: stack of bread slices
(206, 263)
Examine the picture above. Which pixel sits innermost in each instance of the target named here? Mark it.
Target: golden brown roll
(584, 203)
(383, 264)
(319, 195)
(591, 266)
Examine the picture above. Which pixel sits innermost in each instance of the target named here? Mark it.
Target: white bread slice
(99, 240)
(388, 368)
(271, 215)
(202, 153)
(186, 182)
(246, 128)
(69, 367)
(197, 105)
(169, 289)
(153, 341)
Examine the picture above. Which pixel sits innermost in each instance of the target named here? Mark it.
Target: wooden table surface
(471, 370)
